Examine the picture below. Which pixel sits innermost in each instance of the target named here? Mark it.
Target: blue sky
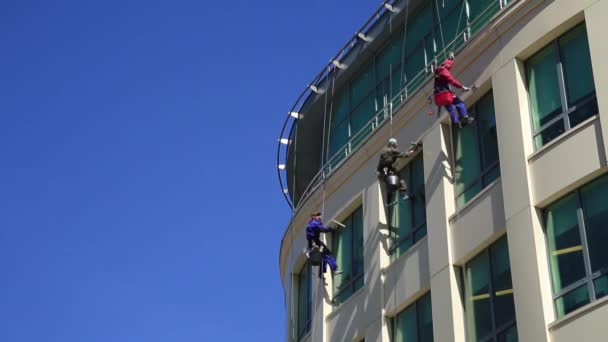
(138, 190)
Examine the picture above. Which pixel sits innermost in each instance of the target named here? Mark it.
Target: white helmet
(392, 142)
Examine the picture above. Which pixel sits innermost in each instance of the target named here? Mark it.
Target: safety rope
(407, 15)
(440, 27)
(464, 4)
(292, 279)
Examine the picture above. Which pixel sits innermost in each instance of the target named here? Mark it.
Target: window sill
(336, 309)
(579, 313)
(477, 198)
(550, 145)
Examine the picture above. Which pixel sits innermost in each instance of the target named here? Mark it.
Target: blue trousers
(459, 106)
(329, 259)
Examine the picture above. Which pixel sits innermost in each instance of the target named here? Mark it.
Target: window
(577, 229)
(348, 249)
(402, 63)
(560, 84)
(408, 218)
(476, 152)
(304, 302)
(490, 311)
(415, 323)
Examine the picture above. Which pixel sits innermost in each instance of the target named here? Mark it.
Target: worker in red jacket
(444, 96)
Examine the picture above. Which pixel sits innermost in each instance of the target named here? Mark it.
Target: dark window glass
(408, 217)
(559, 103)
(577, 228)
(348, 250)
(304, 302)
(415, 323)
(476, 152)
(490, 310)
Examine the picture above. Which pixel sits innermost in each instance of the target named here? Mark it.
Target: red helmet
(447, 64)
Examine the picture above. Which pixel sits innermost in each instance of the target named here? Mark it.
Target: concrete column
(527, 249)
(595, 18)
(445, 296)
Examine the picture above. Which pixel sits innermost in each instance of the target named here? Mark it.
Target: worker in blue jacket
(314, 228)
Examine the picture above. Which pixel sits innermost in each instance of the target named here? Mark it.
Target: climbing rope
(440, 27)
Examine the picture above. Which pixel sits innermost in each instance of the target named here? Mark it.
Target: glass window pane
(304, 301)
(564, 242)
(362, 84)
(391, 54)
(337, 138)
(411, 213)
(601, 286)
(420, 233)
(419, 30)
(343, 253)
(481, 11)
(572, 301)
(340, 108)
(576, 61)
(491, 175)
(405, 326)
(362, 114)
(549, 133)
(584, 110)
(357, 218)
(479, 316)
(595, 210)
(543, 85)
(451, 14)
(348, 250)
(487, 130)
(504, 307)
(425, 319)
(509, 336)
(468, 166)
(417, 190)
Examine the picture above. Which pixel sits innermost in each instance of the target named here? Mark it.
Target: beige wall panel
(448, 313)
(373, 333)
(477, 223)
(530, 275)
(351, 319)
(590, 326)
(574, 156)
(595, 17)
(514, 135)
(439, 197)
(531, 282)
(405, 277)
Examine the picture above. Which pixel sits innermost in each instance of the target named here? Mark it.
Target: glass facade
(577, 227)
(415, 323)
(560, 85)
(348, 249)
(401, 66)
(408, 218)
(490, 310)
(303, 302)
(476, 152)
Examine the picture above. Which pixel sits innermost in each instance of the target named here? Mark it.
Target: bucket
(315, 257)
(392, 182)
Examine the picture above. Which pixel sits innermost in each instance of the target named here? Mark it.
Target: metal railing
(393, 105)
